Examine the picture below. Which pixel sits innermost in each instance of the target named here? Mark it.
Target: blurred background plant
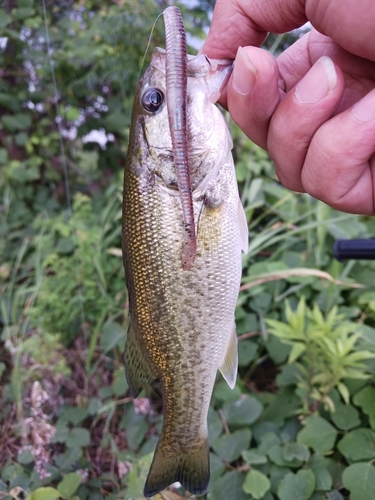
(300, 422)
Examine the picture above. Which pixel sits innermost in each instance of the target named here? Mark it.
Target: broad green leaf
(245, 411)
(25, 457)
(345, 417)
(78, 437)
(267, 440)
(323, 478)
(275, 454)
(365, 399)
(318, 434)
(253, 457)
(256, 484)
(61, 433)
(229, 486)
(295, 450)
(45, 493)
(112, 335)
(358, 445)
(75, 415)
(359, 479)
(69, 484)
(18, 121)
(289, 375)
(137, 477)
(334, 495)
(217, 467)
(4, 18)
(65, 460)
(135, 426)
(246, 352)
(215, 425)
(298, 486)
(230, 446)
(223, 392)
(277, 474)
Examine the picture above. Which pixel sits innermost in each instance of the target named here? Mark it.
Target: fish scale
(181, 320)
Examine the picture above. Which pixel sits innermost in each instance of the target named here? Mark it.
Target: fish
(182, 295)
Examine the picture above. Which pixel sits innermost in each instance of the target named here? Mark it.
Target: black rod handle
(354, 249)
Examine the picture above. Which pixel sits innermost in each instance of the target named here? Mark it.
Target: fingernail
(244, 73)
(364, 109)
(318, 82)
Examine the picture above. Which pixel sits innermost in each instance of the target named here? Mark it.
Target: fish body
(182, 326)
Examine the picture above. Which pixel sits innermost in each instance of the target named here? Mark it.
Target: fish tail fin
(191, 469)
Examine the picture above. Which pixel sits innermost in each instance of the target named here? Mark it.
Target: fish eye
(152, 99)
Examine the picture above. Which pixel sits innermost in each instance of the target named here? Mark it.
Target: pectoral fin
(229, 365)
(137, 370)
(244, 230)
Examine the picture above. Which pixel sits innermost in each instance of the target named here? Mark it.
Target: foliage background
(300, 423)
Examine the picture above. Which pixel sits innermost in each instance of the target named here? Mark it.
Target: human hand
(313, 108)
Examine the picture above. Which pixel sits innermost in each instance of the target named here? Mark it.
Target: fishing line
(58, 121)
(58, 117)
(148, 45)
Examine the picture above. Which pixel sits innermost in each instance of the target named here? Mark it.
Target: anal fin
(229, 365)
(138, 373)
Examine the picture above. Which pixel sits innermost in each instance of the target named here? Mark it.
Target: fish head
(207, 132)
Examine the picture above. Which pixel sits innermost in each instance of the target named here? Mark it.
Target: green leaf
(18, 121)
(334, 495)
(69, 484)
(112, 335)
(318, 434)
(277, 474)
(5, 18)
(323, 478)
(345, 417)
(297, 349)
(246, 352)
(298, 486)
(75, 415)
(230, 446)
(136, 428)
(229, 486)
(358, 445)
(78, 437)
(65, 460)
(245, 411)
(25, 457)
(137, 476)
(365, 399)
(275, 454)
(45, 493)
(215, 425)
(256, 484)
(253, 457)
(61, 433)
(359, 479)
(295, 450)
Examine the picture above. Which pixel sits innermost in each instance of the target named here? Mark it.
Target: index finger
(236, 23)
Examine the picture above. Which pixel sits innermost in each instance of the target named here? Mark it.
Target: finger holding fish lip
(253, 92)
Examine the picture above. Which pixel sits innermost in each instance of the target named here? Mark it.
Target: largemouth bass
(182, 326)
